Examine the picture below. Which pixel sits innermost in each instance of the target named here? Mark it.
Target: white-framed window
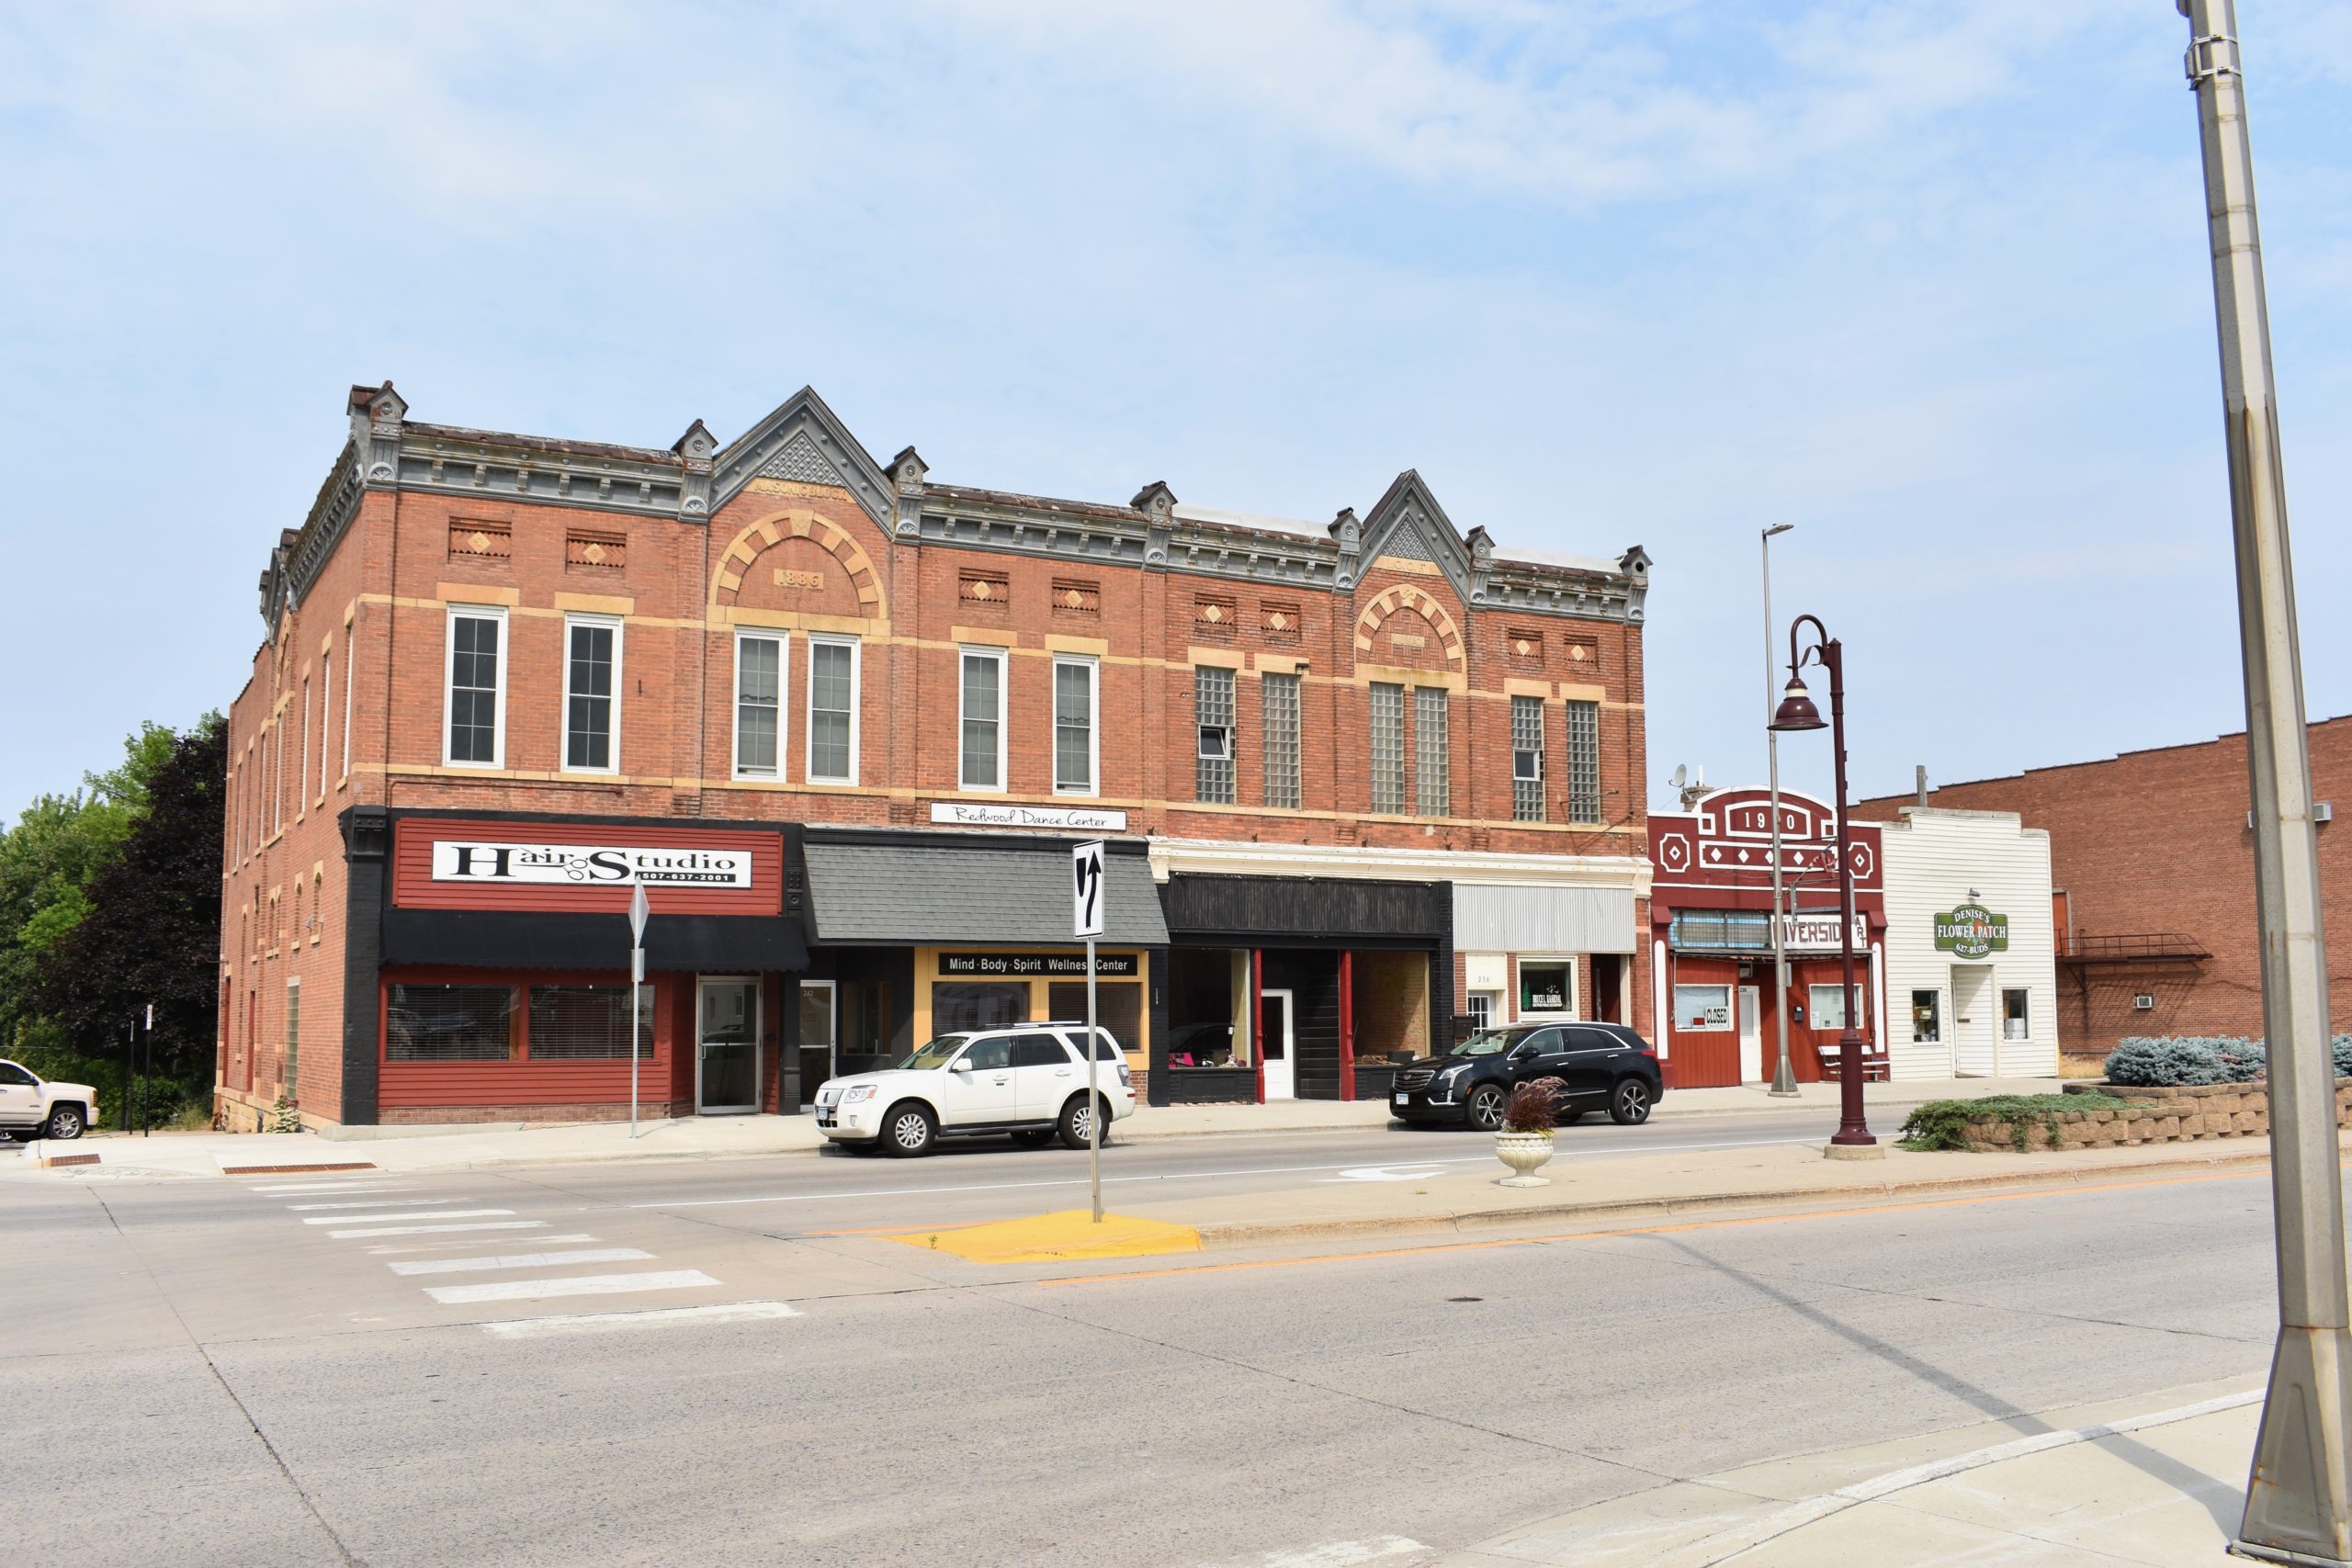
(592, 694)
(302, 765)
(1702, 1010)
(1485, 1007)
(1827, 1003)
(278, 776)
(832, 710)
(326, 718)
(1077, 744)
(475, 733)
(760, 659)
(1527, 759)
(980, 746)
(1547, 988)
(1927, 1017)
(346, 703)
(1213, 711)
(2016, 1014)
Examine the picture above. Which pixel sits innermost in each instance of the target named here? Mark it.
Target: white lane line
(375, 1203)
(480, 1241)
(576, 1285)
(443, 1214)
(435, 1230)
(1188, 1175)
(657, 1317)
(1334, 1554)
(519, 1260)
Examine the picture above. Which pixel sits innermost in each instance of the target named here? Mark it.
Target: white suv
(30, 1105)
(1028, 1079)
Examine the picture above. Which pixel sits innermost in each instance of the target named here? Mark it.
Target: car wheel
(909, 1131)
(1033, 1137)
(1486, 1107)
(1568, 1118)
(1074, 1120)
(1630, 1105)
(64, 1122)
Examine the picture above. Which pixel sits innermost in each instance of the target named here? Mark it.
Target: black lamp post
(1796, 712)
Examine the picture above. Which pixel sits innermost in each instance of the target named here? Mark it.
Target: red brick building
(842, 723)
(2152, 859)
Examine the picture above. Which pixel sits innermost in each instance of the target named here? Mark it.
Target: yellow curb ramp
(1050, 1238)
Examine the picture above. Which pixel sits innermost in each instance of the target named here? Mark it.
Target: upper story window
(982, 709)
(326, 717)
(1076, 748)
(1387, 747)
(1527, 759)
(759, 705)
(1279, 740)
(1212, 709)
(1584, 761)
(832, 710)
(303, 768)
(477, 687)
(346, 703)
(592, 704)
(1432, 770)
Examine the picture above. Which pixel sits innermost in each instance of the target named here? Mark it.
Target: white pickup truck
(32, 1106)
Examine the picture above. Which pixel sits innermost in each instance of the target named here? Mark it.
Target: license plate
(1401, 1099)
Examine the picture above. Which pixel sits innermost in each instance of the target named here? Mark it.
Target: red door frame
(1258, 1016)
(1347, 1026)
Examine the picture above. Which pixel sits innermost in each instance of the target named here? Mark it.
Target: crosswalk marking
(436, 1230)
(330, 1186)
(519, 1260)
(443, 1214)
(595, 1322)
(474, 1241)
(373, 1204)
(577, 1285)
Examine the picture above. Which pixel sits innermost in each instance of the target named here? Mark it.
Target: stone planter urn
(1525, 1153)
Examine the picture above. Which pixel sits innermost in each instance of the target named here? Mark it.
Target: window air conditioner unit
(1216, 744)
(2143, 1002)
(1526, 767)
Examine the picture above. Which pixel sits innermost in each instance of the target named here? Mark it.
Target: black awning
(1307, 911)
(501, 939)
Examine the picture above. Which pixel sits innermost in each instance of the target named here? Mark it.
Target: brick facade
(794, 532)
(2153, 864)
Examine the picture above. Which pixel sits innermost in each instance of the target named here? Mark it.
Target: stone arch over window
(781, 531)
(1442, 643)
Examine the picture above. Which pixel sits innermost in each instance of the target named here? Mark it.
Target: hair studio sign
(1972, 931)
(588, 865)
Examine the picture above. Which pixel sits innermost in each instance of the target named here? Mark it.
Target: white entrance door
(1973, 1023)
(1751, 1035)
(727, 1046)
(1276, 1046)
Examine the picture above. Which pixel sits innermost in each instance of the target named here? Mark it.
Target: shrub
(1943, 1124)
(1533, 1106)
(2162, 1063)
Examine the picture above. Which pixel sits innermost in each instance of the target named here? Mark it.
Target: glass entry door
(727, 1046)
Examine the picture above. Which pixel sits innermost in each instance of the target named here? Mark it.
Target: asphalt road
(196, 1372)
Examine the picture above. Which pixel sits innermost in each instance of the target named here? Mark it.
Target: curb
(1252, 1233)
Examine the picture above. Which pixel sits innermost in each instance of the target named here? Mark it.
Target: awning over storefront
(1520, 919)
(1305, 911)
(510, 939)
(933, 895)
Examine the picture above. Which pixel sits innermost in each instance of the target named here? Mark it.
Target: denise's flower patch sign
(1972, 931)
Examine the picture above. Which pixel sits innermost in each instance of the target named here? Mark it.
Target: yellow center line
(1444, 1247)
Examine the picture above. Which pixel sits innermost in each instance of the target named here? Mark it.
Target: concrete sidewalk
(2157, 1480)
(470, 1146)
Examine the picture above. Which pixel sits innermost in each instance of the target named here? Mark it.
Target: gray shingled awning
(943, 896)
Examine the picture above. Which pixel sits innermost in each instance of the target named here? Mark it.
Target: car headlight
(856, 1092)
(1450, 1074)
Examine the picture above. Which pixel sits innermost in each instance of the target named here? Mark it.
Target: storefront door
(1751, 1035)
(727, 1054)
(1973, 1023)
(1277, 1045)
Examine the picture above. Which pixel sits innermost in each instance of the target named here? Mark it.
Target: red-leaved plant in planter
(1533, 1107)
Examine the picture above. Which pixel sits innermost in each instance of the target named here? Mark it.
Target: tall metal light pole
(1852, 1140)
(2298, 1499)
(1784, 1079)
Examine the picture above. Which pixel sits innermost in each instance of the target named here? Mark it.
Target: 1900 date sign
(1024, 965)
(1971, 931)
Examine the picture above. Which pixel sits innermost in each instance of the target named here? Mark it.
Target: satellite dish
(1681, 774)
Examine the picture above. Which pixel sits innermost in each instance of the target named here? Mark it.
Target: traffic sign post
(1085, 921)
(638, 911)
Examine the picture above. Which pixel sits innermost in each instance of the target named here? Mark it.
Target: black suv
(1601, 1064)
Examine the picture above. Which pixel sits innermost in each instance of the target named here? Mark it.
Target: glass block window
(1213, 712)
(1280, 740)
(983, 700)
(1074, 725)
(1431, 786)
(759, 706)
(1584, 761)
(832, 711)
(1527, 759)
(294, 1041)
(1387, 747)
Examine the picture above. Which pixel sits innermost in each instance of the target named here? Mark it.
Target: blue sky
(1929, 280)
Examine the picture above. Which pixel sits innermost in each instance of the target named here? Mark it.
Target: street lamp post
(2298, 1499)
(1797, 711)
(1784, 1079)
